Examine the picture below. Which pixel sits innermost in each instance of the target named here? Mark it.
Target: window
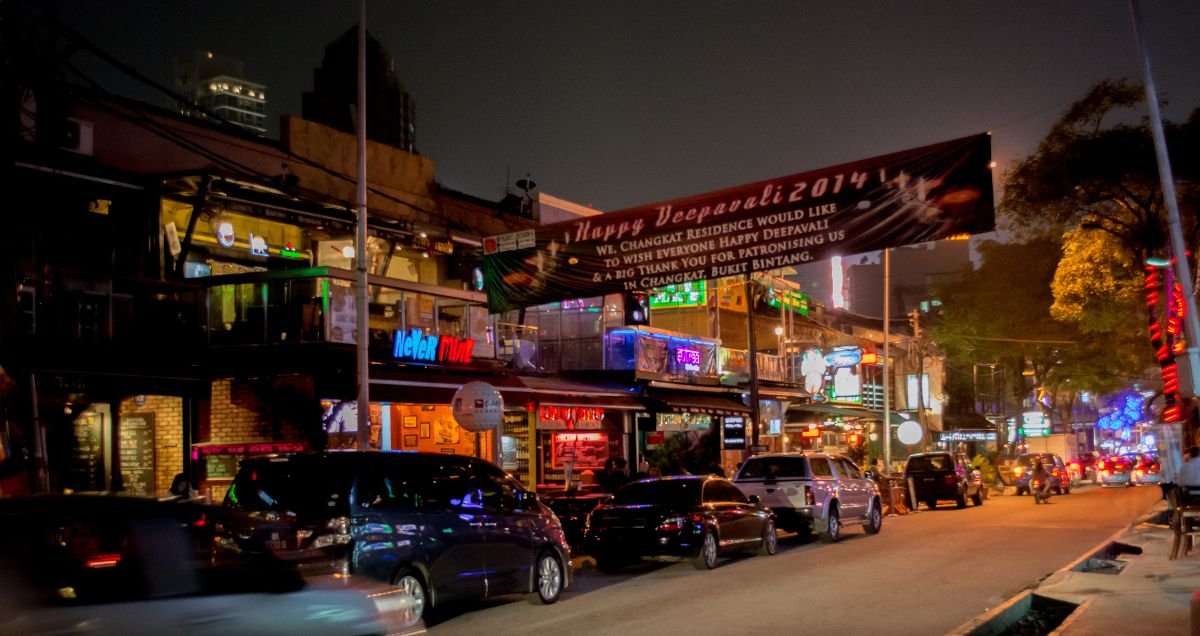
(774, 467)
(820, 467)
(848, 469)
(499, 492)
(722, 491)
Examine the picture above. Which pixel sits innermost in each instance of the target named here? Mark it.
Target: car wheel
(770, 541)
(412, 591)
(931, 503)
(1020, 491)
(961, 500)
(707, 558)
(549, 581)
(875, 520)
(977, 498)
(833, 529)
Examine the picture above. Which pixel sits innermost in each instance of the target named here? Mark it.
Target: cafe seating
(1185, 521)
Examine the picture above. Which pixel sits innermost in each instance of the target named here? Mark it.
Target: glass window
(820, 467)
(774, 467)
(665, 491)
(498, 490)
(848, 469)
(930, 462)
(722, 491)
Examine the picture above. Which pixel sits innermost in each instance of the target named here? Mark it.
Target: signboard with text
(912, 196)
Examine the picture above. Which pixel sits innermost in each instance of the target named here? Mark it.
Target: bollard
(912, 495)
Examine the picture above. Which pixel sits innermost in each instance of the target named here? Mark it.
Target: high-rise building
(216, 85)
(391, 115)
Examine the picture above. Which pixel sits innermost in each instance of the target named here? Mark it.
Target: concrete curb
(974, 623)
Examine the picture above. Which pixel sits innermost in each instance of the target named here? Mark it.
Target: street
(923, 574)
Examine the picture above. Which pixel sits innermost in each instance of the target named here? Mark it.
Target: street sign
(759, 448)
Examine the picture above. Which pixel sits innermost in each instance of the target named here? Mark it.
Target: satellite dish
(526, 184)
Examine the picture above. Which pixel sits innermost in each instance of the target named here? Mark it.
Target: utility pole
(919, 348)
(361, 257)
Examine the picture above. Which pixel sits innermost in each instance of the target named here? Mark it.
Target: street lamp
(779, 337)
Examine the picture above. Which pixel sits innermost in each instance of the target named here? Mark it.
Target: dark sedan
(696, 518)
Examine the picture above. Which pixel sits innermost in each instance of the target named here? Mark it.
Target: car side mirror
(754, 499)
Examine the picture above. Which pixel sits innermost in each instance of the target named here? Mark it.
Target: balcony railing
(318, 305)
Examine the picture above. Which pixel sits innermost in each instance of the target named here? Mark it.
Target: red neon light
(103, 561)
(812, 432)
(579, 437)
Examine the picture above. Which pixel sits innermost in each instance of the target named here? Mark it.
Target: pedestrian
(613, 476)
(181, 489)
(1188, 477)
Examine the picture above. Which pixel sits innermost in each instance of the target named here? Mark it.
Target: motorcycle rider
(1041, 478)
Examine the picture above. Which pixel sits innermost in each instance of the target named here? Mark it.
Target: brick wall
(253, 411)
(168, 436)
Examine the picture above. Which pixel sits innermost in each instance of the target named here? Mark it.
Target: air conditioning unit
(77, 136)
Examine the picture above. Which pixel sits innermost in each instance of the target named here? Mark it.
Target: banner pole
(887, 391)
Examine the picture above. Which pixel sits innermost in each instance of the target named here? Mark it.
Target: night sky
(620, 103)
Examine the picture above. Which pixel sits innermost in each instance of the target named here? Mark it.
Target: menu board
(586, 450)
(137, 453)
(87, 460)
(221, 466)
(733, 429)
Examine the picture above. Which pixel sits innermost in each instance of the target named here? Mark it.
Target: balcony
(318, 305)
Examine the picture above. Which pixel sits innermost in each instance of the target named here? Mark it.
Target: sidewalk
(1150, 595)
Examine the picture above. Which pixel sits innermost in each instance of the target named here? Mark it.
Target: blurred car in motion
(689, 517)
(1145, 469)
(1088, 466)
(1116, 470)
(437, 527)
(123, 565)
(1058, 479)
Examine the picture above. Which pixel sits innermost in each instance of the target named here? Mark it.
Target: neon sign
(689, 294)
(844, 356)
(415, 345)
(689, 359)
(1167, 339)
(570, 417)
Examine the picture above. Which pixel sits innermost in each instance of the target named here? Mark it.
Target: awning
(846, 411)
(968, 420)
(708, 403)
(517, 391)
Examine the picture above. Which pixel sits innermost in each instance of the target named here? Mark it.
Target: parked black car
(572, 510)
(436, 526)
(696, 518)
(108, 564)
(942, 475)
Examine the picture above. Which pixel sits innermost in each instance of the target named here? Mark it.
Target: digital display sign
(733, 432)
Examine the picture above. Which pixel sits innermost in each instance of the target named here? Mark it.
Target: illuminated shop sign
(570, 417)
(290, 251)
(733, 430)
(225, 235)
(844, 356)
(258, 245)
(415, 345)
(1034, 424)
(690, 294)
(689, 359)
(967, 436)
(583, 450)
(794, 301)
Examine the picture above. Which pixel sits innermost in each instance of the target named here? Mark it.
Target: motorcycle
(1041, 494)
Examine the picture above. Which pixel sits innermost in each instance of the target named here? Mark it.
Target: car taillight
(951, 479)
(1075, 466)
(1139, 472)
(809, 499)
(1101, 465)
(1104, 473)
(675, 524)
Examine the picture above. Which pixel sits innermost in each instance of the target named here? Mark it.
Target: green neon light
(690, 294)
(797, 302)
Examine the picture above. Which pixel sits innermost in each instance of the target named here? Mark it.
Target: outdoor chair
(1185, 523)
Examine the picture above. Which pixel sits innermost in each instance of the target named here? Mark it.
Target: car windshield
(304, 486)
(659, 491)
(1028, 460)
(774, 467)
(930, 462)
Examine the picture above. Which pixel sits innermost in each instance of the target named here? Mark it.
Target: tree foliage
(1096, 169)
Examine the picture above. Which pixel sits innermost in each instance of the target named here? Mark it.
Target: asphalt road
(925, 573)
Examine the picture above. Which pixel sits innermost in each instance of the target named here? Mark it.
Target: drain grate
(1111, 559)
(1030, 615)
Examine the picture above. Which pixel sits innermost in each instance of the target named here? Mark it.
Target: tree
(1096, 170)
(1001, 313)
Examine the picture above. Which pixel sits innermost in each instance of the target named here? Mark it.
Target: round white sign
(909, 432)
(477, 406)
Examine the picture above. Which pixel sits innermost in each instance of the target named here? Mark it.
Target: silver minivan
(811, 491)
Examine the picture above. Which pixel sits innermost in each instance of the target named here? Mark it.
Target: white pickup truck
(813, 491)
